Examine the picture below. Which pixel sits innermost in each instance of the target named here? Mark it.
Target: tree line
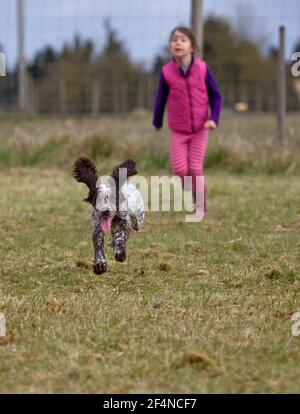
(79, 80)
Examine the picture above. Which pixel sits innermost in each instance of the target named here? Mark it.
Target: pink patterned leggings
(187, 154)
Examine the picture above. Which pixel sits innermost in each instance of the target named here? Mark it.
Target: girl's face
(180, 45)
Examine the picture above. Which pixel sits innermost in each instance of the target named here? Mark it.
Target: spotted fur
(116, 199)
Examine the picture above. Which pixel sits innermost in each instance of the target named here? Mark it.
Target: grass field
(202, 307)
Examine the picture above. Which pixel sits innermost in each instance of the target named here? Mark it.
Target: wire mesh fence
(105, 57)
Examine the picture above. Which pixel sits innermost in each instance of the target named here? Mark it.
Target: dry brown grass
(243, 143)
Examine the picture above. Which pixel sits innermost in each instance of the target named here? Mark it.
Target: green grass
(202, 307)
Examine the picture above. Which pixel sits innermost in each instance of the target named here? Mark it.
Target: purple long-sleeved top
(214, 96)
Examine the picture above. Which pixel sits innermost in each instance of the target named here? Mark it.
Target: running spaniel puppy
(117, 207)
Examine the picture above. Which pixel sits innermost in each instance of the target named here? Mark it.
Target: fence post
(31, 94)
(22, 71)
(197, 23)
(124, 96)
(62, 95)
(281, 85)
(96, 97)
(140, 92)
(259, 97)
(150, 91)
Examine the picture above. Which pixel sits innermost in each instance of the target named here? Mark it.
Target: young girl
(188, 87)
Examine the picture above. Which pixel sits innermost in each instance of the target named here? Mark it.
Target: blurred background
(79, 60)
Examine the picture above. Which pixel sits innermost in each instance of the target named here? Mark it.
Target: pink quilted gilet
(187, 99)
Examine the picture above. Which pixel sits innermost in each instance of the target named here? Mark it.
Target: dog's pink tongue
(105, 224)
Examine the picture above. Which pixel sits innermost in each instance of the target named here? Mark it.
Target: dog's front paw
(120, 255)
(100, 268)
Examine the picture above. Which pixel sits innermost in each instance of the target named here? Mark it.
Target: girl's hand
(210, 124)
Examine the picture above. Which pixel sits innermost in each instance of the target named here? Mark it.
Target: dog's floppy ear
(84, 171)
(129, 165)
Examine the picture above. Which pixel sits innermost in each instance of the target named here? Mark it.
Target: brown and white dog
(118, 207)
